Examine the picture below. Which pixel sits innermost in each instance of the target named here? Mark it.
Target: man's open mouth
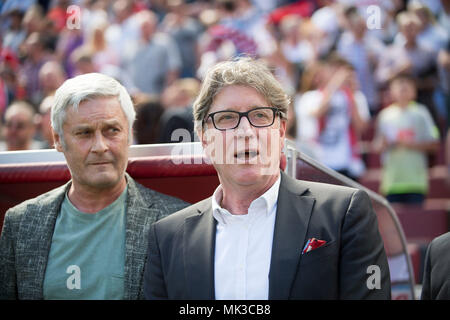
(246, 155)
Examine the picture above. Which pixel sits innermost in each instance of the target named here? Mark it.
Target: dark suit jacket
(27, 236)
(181, 249)
(436, 278)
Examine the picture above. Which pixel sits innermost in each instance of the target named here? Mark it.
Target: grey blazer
(182, 248)
(28, 230)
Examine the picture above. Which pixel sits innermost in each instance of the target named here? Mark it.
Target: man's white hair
(86, 87)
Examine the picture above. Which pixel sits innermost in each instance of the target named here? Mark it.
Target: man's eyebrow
(114, 123)
(233, 108)
(110, 122)
(81, 127)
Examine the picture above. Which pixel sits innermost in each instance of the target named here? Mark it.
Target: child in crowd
(405, 134)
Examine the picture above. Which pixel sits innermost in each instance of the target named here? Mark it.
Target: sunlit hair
(87, 87)
(241, 71)
(20, 106)
(404, 18)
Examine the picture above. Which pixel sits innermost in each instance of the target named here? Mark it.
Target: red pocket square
(312, 244)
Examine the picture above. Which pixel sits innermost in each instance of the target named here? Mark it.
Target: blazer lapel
(35, 242)
(293, 215)
(199, 245)
(139, 216)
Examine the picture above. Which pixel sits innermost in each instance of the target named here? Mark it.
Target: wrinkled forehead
(95, 109)
(18, 114)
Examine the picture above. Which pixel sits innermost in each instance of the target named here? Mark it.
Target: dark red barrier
(188, 178)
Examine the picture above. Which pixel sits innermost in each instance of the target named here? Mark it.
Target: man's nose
(99, 143)
(245, 128)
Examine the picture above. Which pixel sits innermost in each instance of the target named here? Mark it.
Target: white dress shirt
(244, 247)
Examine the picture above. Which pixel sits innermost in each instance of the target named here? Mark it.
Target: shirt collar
(265, 203)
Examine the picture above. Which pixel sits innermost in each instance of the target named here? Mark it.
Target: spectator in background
(36, 57)
(148, 116)
(154, 61)
(58, 14)
(82, 62)
(68, 41)
(10, 89)
(44, 122)
(185, 31)
(405, 134)
(237, 23)
(312, 79)
(290, 41)
(51, 77)
(442, 90)
(103, 55)
(331, 119)
(285, 71)
(431, 35)
(362, 51)
(313, 39)
(295, 48)
(177, 101)
(409, 57)
(33, 21)
(22, 5)
(19, 128)
(228, 34)
(444, 16)
(327, 20)
(16, 34)
(124, 32)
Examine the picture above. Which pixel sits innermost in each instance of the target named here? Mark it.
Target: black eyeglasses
(258, 117)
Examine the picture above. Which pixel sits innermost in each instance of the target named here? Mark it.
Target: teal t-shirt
(87, 254)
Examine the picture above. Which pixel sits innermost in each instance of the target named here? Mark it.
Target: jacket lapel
(35, 242)
(139, 216)
(293, 215)
(199, 245)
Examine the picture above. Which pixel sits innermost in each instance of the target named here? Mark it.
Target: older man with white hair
(88, 238)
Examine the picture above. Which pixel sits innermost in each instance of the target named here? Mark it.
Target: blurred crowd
(336, 59)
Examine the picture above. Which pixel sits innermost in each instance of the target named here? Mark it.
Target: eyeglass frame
(276, 111)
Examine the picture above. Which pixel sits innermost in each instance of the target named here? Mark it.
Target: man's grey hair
(86, 87)
(241, 71)
(20, 106)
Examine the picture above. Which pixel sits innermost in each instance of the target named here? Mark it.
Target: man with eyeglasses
(19, 128)
(262, 235)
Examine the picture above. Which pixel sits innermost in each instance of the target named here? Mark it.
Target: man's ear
(57, 141)
(201, 136)
(283, 128)
(131, 138)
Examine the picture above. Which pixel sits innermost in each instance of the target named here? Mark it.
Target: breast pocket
(322, 253)
(317, 274)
